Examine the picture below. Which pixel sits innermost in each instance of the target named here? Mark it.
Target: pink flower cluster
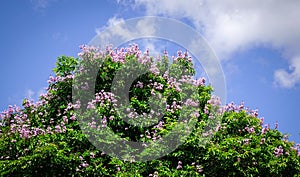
(264, 127)
(117, 55)
(190, 80)
(103, 98)
(179, 166)
(56, 79)
(83, 165)
(198, 167)
(278, 151)
(91, 52)
(250, 130)
(19, 120)
(213, 107)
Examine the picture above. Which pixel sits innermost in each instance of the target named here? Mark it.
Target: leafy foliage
(45, 138)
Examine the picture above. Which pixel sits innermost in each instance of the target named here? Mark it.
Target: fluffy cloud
(29, 94)
(41, 4)
(232, 25)
(289, 79)
(117, 31)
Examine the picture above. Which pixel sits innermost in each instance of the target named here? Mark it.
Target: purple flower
(250, 130)
(179, 165)
(262, 141)
(265, 129)
(73, 117)
(278, 151)
(154, 69)
(92, 155)
(199, 168)
(199, 82)
(139, 84)
(90, 105)
(104, 121)
(246, 141)
(285, 137)
(84, 164)
(262, 121)
(77, 105)
(65, 119)
(58, 129)
(158, 86)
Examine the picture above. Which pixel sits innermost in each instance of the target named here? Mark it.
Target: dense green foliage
(45, 138)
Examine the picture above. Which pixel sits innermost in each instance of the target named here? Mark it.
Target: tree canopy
(53, 136)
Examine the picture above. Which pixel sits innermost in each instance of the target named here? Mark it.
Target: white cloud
(61, 37)
(40, 4)
(113, 21)
(232, 25)
(141, 26)
(117, 31)
(291, 78)
(41, 91)
(29, 94)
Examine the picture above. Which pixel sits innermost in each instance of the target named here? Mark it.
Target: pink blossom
(278, 151)
(104, 121)
(276, 125)
(65, 119)
(139, 84)
(263, 140)
(92, 155)
(261, 121)
(58, 129)
(285, 137)
(77, 105)
(199, 169)
(250, 130)
(92, 124)
(265, 129)
(179, 166)
(90, 105)
(154, 69)
(84, 164)
(73, 117)
(246, 141)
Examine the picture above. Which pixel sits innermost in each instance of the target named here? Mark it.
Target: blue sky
(257, 44)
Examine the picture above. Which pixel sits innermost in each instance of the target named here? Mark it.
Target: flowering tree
(52, 137)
